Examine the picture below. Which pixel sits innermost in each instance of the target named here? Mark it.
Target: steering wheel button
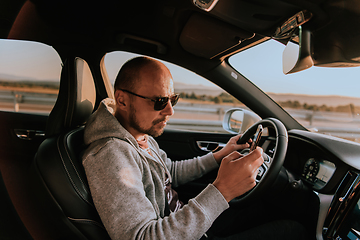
(261, 171)
(266, 158)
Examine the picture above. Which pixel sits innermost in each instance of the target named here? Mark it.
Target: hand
(230, 147)
(237, 173)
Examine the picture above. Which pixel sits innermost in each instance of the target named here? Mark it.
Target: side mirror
(298, 57)
(238, 120)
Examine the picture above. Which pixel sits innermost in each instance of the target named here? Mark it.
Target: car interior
(42, 181)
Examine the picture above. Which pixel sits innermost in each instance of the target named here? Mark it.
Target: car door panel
(21, 135)
(16, 155)
(180, 145)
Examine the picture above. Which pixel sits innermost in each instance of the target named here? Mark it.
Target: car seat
(59, 180)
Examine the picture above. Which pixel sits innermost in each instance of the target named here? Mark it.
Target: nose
(168, 110)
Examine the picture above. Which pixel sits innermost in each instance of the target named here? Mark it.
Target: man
(130, 178)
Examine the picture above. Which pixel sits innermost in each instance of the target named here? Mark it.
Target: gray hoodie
(127, 184)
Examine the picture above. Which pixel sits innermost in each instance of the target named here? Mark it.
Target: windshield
(325, 100)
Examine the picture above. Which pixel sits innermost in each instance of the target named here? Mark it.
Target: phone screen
(257, 138)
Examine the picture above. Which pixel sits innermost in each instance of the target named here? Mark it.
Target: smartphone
(257, 138)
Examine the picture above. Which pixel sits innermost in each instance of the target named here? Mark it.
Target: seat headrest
(76, 99)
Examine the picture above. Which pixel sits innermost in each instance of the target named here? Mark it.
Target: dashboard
(318, 172)
(343, 219)
(329, 166)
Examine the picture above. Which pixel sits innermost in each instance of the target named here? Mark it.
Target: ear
(120, 99)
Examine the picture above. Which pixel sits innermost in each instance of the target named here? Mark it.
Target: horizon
(177, 83)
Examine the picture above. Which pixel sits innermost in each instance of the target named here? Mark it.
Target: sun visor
(337, 43)
(208, 37)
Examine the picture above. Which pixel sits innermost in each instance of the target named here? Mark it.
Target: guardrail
(337, 124)
(19, 101)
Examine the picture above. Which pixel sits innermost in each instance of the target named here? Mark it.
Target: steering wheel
(271, 167)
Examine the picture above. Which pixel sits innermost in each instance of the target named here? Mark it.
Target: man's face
(143, 119)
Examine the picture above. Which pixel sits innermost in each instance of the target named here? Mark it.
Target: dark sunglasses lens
(174, 99)
(161, 103)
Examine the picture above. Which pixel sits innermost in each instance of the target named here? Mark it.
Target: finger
(257, 152)
(234, 140)
(258, 162)
(237, 137)
(244, 145)
(252, 157)
(232, 156)
(255, 175)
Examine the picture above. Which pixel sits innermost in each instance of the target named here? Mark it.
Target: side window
(29, 76)
(202, 104)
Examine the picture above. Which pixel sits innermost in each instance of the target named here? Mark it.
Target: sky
(34, 60)
(261, 64)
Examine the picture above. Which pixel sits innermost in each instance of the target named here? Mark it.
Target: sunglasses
(160, 102)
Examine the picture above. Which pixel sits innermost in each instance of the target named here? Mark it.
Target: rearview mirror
(297, 57)
(238, 120)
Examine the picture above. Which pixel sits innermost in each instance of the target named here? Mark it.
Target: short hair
(129, 73)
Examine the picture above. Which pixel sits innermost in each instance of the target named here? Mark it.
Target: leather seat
(58, 176)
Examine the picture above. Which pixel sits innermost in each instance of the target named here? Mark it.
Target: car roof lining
(208, 37)
(175, 17)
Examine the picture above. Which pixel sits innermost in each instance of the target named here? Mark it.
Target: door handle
(25, 134)
(210, 146)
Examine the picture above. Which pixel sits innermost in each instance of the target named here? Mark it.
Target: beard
(152, 131)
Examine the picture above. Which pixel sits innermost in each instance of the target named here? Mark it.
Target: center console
(343, 218)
